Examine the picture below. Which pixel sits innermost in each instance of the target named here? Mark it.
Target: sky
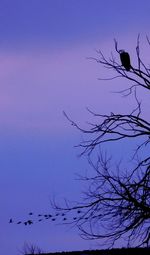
(44, 45)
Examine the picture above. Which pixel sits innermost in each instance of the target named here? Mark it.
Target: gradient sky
(43, 71)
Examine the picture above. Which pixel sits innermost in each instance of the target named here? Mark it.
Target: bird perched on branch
(125, 59)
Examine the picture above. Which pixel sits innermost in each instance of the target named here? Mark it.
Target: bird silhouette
(125, 60)
(30, 222)
(11, 221)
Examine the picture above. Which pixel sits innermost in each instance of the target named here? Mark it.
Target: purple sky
(43, 71)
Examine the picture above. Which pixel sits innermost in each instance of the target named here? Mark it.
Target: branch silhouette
(117, 202)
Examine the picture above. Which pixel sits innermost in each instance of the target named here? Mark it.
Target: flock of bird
(41, 217)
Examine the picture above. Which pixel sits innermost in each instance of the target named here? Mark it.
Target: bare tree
(31, 249)
(117, 202)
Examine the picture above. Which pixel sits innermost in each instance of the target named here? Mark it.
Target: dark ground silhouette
(123, 251)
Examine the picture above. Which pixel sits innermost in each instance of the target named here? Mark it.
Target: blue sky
(44, 70)
(68, 22)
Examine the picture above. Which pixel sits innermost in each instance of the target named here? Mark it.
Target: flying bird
(10, 221)
(30, 222)
(19, 222)
(125, 59)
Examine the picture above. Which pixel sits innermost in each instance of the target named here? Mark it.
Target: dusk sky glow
(44, 45)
